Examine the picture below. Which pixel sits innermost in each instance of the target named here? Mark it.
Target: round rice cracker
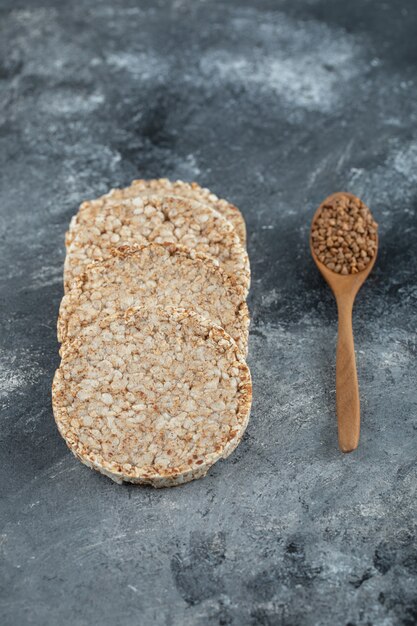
(105, 225)
(152, 396)
(155, 275)
(181, 189)
(163, 186)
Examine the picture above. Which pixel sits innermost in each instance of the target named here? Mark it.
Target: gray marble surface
(273, 105)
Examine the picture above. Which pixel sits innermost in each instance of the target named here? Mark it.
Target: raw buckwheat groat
(152, 397)
(163, 186)
(103, 225)
(344, 234)
(157, 274)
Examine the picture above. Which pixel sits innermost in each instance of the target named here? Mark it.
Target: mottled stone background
(273, 105)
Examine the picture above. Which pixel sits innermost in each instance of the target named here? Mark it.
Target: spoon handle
(347, 390)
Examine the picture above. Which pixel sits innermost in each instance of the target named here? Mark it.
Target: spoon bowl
(345, 289)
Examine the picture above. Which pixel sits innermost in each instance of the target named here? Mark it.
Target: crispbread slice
(155, 275)
(152, 396)
(103, 225)
(163, 186)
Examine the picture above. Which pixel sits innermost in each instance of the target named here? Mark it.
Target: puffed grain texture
(163, 186)
(103, 225)
(152, 396)
(155, 275)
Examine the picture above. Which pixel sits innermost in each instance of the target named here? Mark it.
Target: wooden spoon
(345, 288)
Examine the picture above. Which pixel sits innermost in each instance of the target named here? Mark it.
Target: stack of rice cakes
(153, 387)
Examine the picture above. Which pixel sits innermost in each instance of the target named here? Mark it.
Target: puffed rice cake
(103, 224)
(155, 275)
(152, 396)
(163, 186)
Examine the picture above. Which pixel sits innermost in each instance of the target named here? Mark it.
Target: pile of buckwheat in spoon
(344, 235)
